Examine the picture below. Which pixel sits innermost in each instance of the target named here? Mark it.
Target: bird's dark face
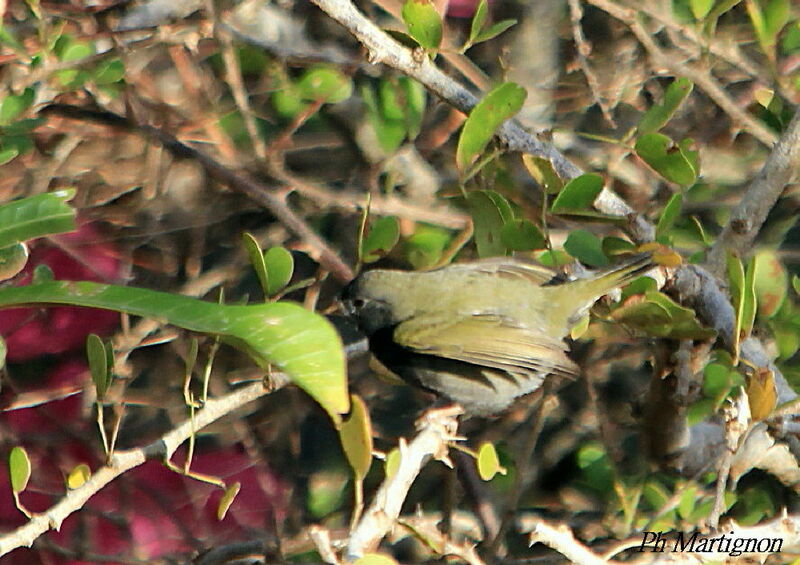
(371, 313)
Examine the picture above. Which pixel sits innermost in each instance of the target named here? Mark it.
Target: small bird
(481, 333)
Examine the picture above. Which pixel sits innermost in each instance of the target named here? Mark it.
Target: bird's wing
(516, 268)
(487, 340)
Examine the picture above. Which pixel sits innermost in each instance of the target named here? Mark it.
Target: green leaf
(586, 247)
(488, 462)
(99, 356)
(542, 171)
(382, 237)
(796, 284)
(495, 30)
(701, 8)
(227, 499)
(7, 155)
(324, 83)
(578, 194)
(671, 212)
(280, 268)
(355, 433)
(743, 299)
(12, 260)
(613, 246)
(658, 116)
(36, 216)
(490, 212)
(771, 282)
(390, 132)
(658, 315)
(424, 23)
(19, 467)
(424, 249)
(502, 103)
(522, 235)
(415, 100)
(301, 343)
(257, 261)
(689, 498)
(15, 104)
(676, 163)
(478, 20)
(109, 72)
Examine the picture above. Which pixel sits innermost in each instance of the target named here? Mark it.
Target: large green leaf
(36, 216)
(297, 341)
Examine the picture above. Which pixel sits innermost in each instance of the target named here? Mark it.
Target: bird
(480, 333)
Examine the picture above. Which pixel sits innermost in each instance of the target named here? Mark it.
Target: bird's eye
(359, 303)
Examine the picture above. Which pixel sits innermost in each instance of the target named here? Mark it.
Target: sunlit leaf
(36, 216)
(761, 393)
(296, 341)
(15, 104)
(502, 103)
(78, 476)
(771, 282)
(19, 467)
(279, 264)
(488, 462)
(542, 171)
(227, 500)
(424, 23)
(12, 260)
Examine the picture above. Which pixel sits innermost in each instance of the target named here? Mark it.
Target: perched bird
(481, 333)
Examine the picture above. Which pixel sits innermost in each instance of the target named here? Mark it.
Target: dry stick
(414, 63)
(700, 76)
(748, 216)
(258, 191)
(122, 461)
(437, 429)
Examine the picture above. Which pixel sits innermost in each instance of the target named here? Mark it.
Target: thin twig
(256, 190)
(123, 461)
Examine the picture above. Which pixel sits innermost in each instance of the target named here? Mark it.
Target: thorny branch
(123, 461)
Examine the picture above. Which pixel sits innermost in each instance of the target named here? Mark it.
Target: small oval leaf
(499, 105)
(78, 476)
(578, 194)
(279, 265)
(424, 23)
(586, 247)
(257, 261)
(98, 364)
(356, 435)
(19, 467)
(382, 237)
(488, 462)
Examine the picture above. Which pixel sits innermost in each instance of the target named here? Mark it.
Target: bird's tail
(620, 274)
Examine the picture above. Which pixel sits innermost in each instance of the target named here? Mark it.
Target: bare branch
(437, 429)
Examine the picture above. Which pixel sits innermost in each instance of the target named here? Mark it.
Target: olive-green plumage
(480, 333)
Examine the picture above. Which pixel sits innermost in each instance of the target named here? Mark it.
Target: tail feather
(621, 273)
